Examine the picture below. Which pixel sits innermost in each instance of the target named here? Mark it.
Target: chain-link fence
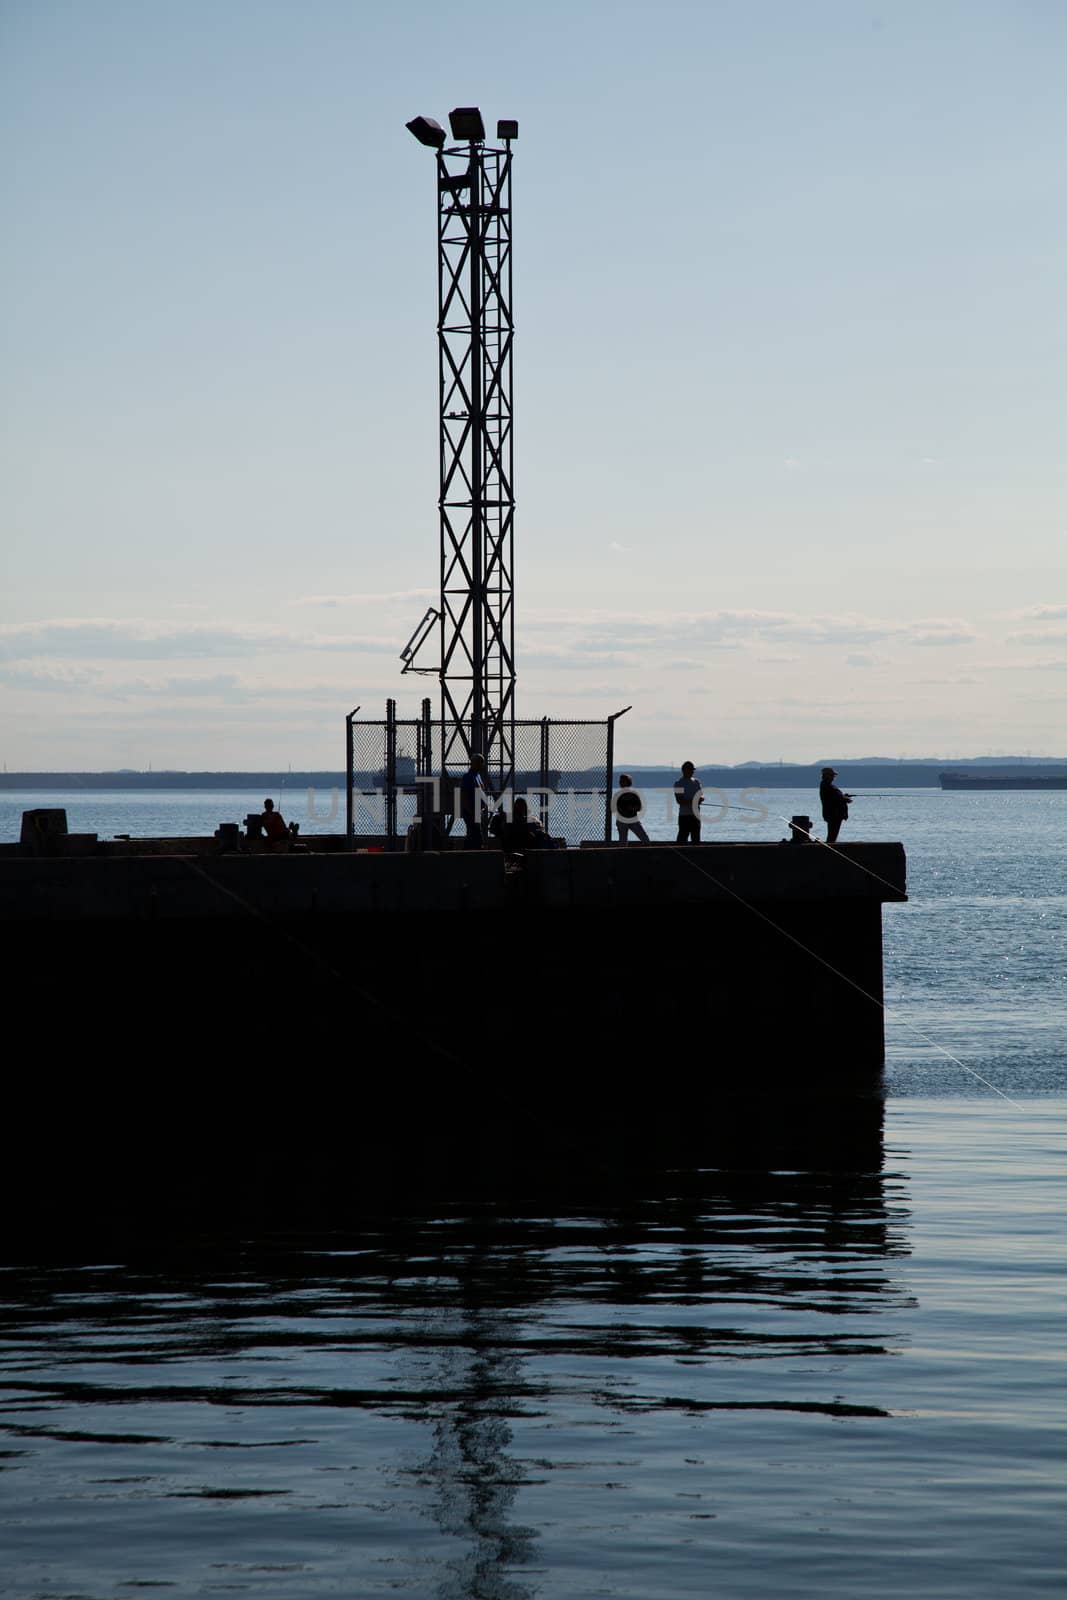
(402, 769)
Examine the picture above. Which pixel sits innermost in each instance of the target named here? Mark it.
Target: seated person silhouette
(523, 832)
(274, 829)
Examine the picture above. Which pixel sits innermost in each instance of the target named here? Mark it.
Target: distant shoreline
(863, 774)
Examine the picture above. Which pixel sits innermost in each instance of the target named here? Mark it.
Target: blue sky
(790, 355)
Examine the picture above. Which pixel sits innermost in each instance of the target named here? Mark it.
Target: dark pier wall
(302, 1036)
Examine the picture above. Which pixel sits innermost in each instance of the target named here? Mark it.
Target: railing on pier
(401, 770)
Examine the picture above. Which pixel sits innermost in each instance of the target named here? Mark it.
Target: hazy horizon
(620, 766)
(788, 364)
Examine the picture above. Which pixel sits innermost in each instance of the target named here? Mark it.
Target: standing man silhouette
(834, 804)
(471, 790)
(690, 796)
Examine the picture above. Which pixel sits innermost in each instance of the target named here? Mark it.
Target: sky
(789, 373)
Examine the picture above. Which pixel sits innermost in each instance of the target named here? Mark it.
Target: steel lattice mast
(477, 503)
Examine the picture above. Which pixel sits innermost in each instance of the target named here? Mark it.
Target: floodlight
(466, 123)
(427, 131)
(507, 129)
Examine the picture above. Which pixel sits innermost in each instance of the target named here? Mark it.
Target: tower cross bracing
(477, 503)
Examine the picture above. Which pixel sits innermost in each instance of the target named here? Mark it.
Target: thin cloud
(943, 636)
(839, 711)
(599, 631)
(589, 692)
(1041, 614)
(386, 597)
(576, 639)
(55, 678)
(103, 639)
(1047, 636)
(220, 684)
(567, 659)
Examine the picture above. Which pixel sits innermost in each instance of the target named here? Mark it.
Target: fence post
(610, 772)
(609, 779)
(390, 773)
(425, 761)
(425, 809)
(350, 778)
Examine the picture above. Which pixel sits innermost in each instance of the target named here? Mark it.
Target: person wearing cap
(690, 797)
(834, 804)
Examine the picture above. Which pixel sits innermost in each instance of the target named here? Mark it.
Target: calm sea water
(739, 1384)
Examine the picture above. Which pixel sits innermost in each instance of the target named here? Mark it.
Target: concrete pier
(240, 1036)
(127, 881)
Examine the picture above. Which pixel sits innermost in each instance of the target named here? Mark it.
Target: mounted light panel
(427, 131)
(466, 123)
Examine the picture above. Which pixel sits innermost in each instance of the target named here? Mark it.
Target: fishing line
(886, 1010)
(826, 845)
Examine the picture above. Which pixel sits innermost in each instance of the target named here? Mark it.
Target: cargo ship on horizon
(1043, 778)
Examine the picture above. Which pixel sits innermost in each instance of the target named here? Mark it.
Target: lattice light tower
(476, 616)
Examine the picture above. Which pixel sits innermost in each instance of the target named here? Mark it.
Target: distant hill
(865, 772)
(269, 782)
(869, 772)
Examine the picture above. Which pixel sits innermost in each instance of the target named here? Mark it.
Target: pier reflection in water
(636, 1399)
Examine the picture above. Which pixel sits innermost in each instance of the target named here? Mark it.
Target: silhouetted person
(628, 810)
(834, 804)
(689, 795)
(523, 832)
(273, 824)
(472, 784)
